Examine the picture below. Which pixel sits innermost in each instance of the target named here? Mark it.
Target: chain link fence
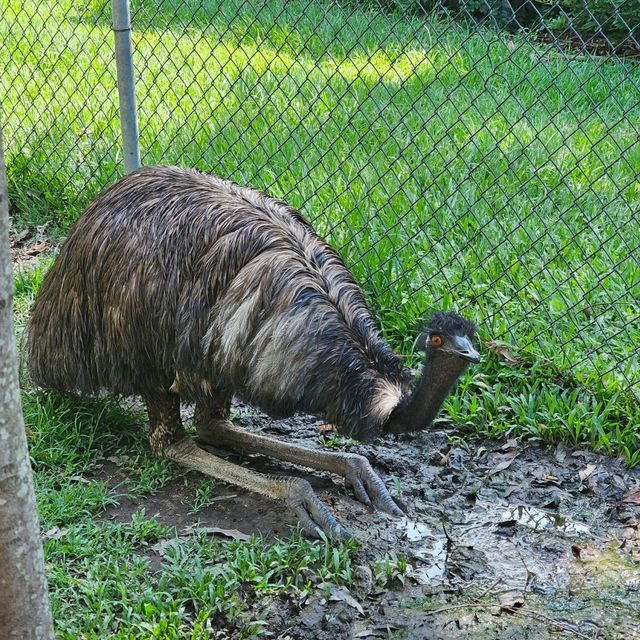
(476, 154)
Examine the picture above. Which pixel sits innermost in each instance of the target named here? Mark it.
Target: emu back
(177, 280)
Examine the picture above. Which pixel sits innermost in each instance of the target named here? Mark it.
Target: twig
(563, 625)
(521, 612)
(484, 593)
(468, 605)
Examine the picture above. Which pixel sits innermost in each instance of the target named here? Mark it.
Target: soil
(500, 539)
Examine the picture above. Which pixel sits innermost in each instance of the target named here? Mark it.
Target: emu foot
(296, 493)
(313, 514)
(367, 485)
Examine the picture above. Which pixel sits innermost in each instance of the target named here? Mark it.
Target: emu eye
(436, 341)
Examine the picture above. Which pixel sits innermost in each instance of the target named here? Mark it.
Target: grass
(203, 584)
(451, 169)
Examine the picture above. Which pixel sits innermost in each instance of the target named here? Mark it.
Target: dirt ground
(501, 540)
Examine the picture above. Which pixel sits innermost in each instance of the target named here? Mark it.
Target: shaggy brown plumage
(177, 279)
(174, 284)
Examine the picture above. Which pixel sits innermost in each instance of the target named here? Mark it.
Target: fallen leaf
(480, 451)
(510, 445)
(585, 554)
(510, 489)
(325, 427)
(19, 237)
(511, 522)
(37, 248)
(161, 547)
(618, 481)
(482, 384)
(511, 600)
(632, 498)
(552, 503)
(55, 533)
(502, 461)
(502, 350)
(228, 533)
(371, 633)
(340, 594)
(546, 480)
(587, 472)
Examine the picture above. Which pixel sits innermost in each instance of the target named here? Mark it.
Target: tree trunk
(24, 600)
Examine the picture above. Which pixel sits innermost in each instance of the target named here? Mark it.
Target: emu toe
(314, 515)
(368, 486)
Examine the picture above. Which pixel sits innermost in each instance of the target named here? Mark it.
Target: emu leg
(168, 440)
(214, 428)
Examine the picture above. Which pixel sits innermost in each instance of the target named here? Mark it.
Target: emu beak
(463, 348)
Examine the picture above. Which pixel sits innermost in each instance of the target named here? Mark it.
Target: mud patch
(499, 540)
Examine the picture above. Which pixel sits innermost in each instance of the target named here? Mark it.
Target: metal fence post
(126, 85)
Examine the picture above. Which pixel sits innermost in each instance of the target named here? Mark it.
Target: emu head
(447, 341)
(448, 338)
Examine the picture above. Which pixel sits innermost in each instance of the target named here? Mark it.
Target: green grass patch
(103, 586)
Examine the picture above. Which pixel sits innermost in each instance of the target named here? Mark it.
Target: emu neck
(439, 376)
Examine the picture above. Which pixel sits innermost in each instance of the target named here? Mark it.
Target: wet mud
(500, 539)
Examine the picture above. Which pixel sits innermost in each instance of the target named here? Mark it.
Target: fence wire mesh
(476, 154)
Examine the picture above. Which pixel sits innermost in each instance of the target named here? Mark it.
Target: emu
(175, 285)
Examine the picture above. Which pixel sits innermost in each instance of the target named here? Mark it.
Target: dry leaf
(509, 445)
(561, 453)
(585, 554)
(55, 533)
(37, 248)
(502, 350)
(587, 471)
(228, 533)
(502, 461)
(19, 237)
(161, 547)
(632, 498)
(326, 427)
(340, 594)
(546, 480)
(511, 600)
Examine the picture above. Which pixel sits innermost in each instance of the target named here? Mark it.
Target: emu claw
(368, 486)
(314, 515)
